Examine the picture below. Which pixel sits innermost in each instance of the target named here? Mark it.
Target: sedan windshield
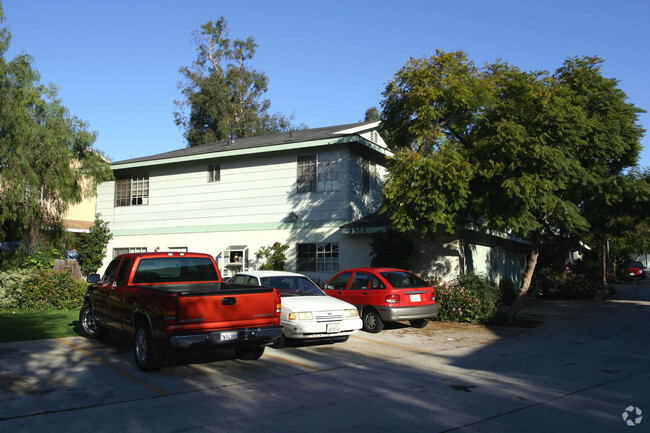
(293, 286)
(400, 279)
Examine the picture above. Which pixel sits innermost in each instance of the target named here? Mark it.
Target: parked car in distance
(308, 314)
(636, 270)
(385, 295)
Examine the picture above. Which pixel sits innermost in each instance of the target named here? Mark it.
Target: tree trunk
(511, 312)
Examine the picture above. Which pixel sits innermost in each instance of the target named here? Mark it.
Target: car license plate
(333, 327)
(631, 274)
(228, 336)
(416, 298)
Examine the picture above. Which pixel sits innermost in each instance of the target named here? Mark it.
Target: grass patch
(36, 325)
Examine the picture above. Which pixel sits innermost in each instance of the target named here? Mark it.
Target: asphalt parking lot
(580, 369)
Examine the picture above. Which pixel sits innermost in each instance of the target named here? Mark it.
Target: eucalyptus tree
(521, 152)
(47, 161)
(222, 95)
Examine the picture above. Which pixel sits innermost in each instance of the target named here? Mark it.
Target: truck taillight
(392, 299)
(278, 303)
(170, 310)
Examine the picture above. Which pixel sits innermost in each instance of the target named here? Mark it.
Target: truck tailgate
(231, 309)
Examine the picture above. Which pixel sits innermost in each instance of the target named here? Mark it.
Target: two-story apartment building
(317, 190)
(231, 198)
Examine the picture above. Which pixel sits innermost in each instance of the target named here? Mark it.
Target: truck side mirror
(93, 278)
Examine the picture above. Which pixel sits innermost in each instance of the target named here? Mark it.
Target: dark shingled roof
(304, 135)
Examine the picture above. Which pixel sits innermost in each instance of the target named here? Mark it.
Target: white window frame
(321, 257)
(132, 190)
(318, 172)
(128, 250)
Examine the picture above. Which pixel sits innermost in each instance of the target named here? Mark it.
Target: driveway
(578, 370)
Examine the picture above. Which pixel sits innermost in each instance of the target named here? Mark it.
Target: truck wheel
(280, 343)
(249, 353)
(419, 323)
(148, 357)
(371, 321)
(89, 326)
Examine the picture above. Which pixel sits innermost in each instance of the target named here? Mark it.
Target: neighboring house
(80, 217)
(311, 189)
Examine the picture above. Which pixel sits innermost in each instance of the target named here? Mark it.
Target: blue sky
(116, 62)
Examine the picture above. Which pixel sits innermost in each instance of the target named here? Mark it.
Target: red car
(385, 295)
(636, 270)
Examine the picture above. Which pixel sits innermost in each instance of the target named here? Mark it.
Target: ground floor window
(318, 257)
(118, 251)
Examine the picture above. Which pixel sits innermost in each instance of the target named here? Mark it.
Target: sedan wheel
(371, 321)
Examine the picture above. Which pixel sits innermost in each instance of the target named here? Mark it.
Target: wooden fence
(69, 265)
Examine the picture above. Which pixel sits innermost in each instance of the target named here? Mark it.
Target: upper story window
(318, 172)
(369, 171)
(133, 190)
(214, 173)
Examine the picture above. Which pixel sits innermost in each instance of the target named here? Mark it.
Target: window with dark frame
(214, 173)
(369, 173)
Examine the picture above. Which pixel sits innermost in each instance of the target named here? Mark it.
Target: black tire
(419, 323)
(249, 353)
(148, 357)
(90, 328)
(371, 321)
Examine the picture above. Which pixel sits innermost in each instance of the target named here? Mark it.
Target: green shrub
(11, 285)
(469, 298)
(272, 257)
(42, 259)
(567, 284)
(41, 289)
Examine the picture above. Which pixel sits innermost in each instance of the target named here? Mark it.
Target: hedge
(40, 289)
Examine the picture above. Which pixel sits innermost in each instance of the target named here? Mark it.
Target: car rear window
(401, 279)
(175, 269)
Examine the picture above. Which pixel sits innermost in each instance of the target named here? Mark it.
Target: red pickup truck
(178, 300)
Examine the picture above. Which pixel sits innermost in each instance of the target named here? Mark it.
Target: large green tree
(47, 161)
(222, 94)
(521, 152)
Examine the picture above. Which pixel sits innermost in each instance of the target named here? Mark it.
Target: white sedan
(307, 312)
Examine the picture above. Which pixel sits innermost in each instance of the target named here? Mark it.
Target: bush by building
(40, 289)
(470, 298)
